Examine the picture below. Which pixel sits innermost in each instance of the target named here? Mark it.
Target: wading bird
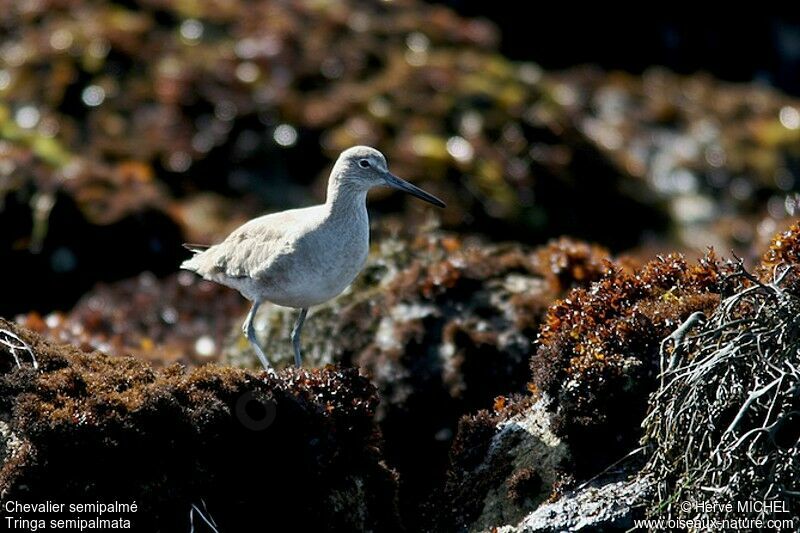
(303, 257)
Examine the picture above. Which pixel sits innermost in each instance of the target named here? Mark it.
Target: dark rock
(54, 253)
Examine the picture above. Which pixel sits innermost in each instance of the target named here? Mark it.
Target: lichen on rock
(608, 506)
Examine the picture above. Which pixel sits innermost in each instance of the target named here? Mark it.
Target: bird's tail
(192, 263)
(196, 248)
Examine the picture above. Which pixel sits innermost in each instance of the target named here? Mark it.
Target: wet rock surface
(256, 451)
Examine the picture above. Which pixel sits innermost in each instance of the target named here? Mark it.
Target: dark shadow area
(755, 46)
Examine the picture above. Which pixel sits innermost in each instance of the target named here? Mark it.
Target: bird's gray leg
(298, 357)
(250, 331)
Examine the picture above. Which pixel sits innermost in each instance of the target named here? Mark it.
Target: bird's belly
(303, 295)
(315, 281)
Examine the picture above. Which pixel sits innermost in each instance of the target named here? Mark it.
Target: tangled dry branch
(15, 346)
(724, 424)
(204, 515)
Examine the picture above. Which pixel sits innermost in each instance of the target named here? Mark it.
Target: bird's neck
(345, 199)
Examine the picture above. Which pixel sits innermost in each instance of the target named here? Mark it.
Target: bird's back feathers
(250, 249)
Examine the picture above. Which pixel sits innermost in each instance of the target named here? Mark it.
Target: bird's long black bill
(403, 185)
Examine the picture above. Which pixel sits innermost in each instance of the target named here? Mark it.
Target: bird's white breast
(320, 263)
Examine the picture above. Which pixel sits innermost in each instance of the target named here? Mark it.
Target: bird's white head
(361, 168)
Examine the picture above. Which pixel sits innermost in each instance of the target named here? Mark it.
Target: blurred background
(129, 127)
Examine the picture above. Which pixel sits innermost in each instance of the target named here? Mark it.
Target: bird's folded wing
(251, 248)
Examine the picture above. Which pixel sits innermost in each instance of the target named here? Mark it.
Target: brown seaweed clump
(565, 263)
(586, 412)
(252, 451)
(783, 253)
(598, 353)
(594, 367)
(478, 308)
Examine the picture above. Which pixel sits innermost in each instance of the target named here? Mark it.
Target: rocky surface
(503, 465)
(441, 324)
(594, 365)
(252, 450)
(594, 416)
(612, 506)
(515, 466)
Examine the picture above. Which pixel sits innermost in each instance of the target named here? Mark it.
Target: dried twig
(15, 346)
(204, 515)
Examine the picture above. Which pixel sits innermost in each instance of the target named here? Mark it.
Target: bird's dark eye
(363, 163)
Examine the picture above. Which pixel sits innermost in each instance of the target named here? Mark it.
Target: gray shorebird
(303, 257)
